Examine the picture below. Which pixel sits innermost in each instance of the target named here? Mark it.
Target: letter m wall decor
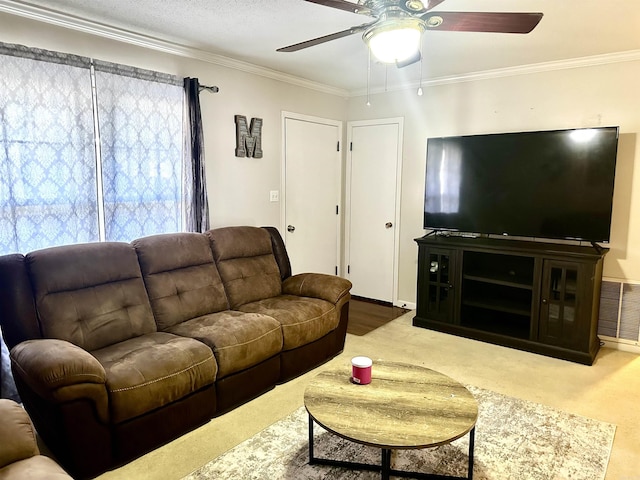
(248, 140)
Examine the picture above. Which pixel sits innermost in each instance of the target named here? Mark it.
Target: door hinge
(348, 268)
(337, 210)
(351, 146)
(338, 145)
(336, 269)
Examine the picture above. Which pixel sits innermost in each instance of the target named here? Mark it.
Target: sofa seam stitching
(162, 378)
(279, 327)
(311, 319)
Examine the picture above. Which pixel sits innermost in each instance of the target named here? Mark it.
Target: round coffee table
(404, 407)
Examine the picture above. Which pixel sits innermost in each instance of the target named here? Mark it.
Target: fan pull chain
(420, 81)
(386, 77)
(368, 78)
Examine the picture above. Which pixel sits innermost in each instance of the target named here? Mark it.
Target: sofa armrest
(59, 371)
(17, 430)
(317, 285)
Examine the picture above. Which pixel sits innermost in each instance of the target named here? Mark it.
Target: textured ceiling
(252, 30)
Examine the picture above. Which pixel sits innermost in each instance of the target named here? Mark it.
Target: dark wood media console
(534, 296)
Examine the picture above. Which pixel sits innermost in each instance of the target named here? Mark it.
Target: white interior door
(312, 185)
(373, 176)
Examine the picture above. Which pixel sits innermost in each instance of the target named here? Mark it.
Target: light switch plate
(274, 196)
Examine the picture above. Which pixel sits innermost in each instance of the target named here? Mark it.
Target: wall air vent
(619, 317)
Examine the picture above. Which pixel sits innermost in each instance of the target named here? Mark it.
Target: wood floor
(367, 315)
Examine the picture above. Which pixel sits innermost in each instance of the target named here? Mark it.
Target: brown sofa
(118, 348)
(19, 453)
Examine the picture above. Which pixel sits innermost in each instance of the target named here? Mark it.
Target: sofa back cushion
(17, 308)
(91, 295)
(181, 277)
(246, 263)
(279, 252)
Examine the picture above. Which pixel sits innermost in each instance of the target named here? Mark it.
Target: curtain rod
(212, 89)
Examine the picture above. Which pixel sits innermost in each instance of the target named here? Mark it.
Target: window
(47, 155)
(140, 125)
(81, 163)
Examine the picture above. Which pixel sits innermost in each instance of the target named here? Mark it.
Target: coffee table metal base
(385, 462)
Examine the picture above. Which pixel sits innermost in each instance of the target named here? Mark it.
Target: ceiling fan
(394, 36)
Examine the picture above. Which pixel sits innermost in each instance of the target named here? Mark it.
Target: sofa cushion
(34, 468)
(19, 453)
(15, 424)
(246, 263)
(303, 319)
(90, 294)
(181, 277)
(147, 372)
(238, 340)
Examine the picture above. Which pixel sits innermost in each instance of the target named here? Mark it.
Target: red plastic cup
(361, 370)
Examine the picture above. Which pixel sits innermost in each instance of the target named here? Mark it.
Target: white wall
(238, 187)
(579, 97)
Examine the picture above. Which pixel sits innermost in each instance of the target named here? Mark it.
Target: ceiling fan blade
(326, 38)
(347, 6)
(493, 22)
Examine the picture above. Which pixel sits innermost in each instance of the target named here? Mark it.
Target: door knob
(291, 228)
(388, 225)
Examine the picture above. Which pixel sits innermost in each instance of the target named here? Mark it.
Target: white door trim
(396, 221)
(283, 177)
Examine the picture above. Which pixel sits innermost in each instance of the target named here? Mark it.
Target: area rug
(515, 439)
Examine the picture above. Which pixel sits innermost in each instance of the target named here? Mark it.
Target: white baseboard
(616, 344)
(403, 304)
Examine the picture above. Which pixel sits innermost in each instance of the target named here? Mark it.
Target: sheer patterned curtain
(82, 164)
(79, 164)
(140, 125)
(47, 154)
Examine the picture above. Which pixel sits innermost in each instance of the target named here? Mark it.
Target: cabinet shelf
(505, 306)
(507, 282)
(497, 296)
(496, 322)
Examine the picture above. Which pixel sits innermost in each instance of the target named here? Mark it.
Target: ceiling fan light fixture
(395, 40)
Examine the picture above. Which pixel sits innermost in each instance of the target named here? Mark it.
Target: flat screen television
(547, 184)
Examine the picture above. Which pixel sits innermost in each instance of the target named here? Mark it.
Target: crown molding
(582, 62)
(94, 28)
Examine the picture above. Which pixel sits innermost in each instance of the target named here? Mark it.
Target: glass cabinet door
(437, 300)
(559, 303)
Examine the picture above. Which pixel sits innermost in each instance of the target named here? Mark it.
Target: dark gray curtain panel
(7, 387)
(196, 204)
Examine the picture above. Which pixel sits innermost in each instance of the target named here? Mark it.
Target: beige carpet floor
(607, 391)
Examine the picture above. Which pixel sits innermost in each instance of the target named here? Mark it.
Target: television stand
(539, 297)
